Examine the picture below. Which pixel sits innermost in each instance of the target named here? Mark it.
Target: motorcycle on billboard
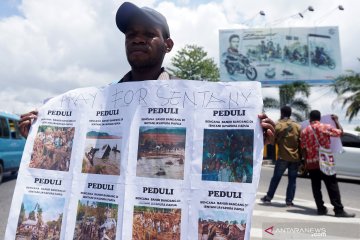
(321, 58)
(238, 63)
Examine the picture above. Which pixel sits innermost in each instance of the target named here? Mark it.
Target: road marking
(297, 216)
(257, 233)
(300, 202)
(286, 215)
(281, 217)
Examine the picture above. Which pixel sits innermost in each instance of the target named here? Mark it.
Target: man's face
(234, 43)
(145, 45)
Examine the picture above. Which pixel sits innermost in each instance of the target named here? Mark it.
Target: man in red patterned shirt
(310, 149)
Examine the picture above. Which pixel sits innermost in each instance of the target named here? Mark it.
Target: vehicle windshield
(350, 140)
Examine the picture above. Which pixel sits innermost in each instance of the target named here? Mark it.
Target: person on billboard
(263, 48)
(287, 54)
(296, 55)
(232, 53)
(306, 51)
(235, 62)
(234, 41)
(320, 55)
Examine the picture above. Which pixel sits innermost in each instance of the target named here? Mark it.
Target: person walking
(310, 148)
(287, 137)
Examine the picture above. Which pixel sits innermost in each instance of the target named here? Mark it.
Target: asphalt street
(275, 215)
(303, 215)
(6, 194)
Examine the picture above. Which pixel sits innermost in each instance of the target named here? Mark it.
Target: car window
(4, 129)
(350, 140)
(14, 129)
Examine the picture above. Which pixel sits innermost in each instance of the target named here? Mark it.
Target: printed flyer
(175, 159)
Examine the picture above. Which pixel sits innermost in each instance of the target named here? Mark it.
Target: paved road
(266, 216)
(6, 194)
(303, 214)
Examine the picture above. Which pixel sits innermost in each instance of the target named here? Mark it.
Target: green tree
(191, 62)
(32, 215)
(40, 211)
(22, 214)
(288, 95)
(347, 87)
(59, 221)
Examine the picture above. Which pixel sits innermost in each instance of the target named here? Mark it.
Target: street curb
(267, 162)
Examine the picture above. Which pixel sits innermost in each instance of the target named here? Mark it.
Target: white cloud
(63, 44)
(59, 45)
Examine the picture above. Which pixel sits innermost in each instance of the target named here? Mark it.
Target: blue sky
(9, 8)
(188, 3)
(52, 207)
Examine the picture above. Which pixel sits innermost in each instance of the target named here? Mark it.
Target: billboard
(275, 56)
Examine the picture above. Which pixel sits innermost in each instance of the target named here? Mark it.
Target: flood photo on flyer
(161, 152)
(102, 153)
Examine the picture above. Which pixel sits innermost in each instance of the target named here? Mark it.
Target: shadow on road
(274, 204)
(294, 209)
(303, 210)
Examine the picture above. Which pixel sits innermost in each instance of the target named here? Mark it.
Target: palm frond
(298, 116)
(347, 87)
(271, 103)
(300, 104)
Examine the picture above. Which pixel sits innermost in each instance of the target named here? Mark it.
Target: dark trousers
(280, 167)
(332, 187)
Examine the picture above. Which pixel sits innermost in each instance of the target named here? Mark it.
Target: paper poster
(156, 211)
(144, 160)
(39, 208)
(335, 142)
(96, 210)
(223, 213)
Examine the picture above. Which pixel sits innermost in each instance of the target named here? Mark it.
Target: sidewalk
(267, 162)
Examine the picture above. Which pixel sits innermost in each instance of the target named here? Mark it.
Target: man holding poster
(147, 40)
(157, 173)
(313, 137)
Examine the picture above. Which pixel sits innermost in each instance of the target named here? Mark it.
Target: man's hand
(337, 123)
(268, 127)
(334, 117)
(25, 122)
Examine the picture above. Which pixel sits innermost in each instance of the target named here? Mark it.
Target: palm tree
(347, 88)
(288, 96)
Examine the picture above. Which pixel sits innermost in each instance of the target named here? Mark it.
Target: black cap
(128, 10)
